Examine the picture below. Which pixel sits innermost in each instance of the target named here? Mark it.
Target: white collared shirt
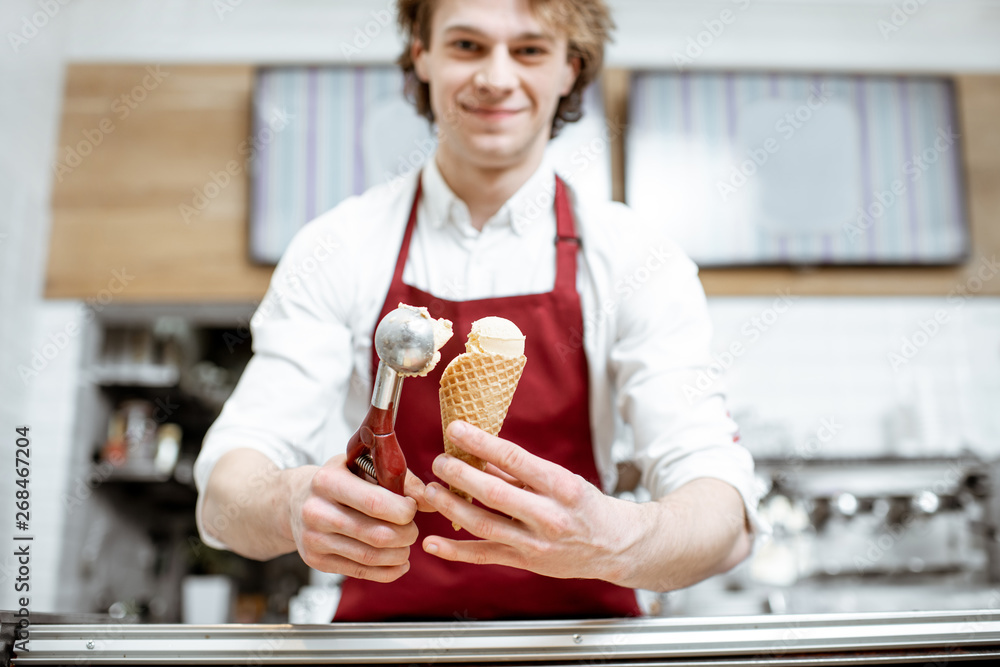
(646, 329)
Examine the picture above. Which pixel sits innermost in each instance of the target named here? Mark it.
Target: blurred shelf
(144, 471)
(148, 494)
(136, 471)
(135, 375)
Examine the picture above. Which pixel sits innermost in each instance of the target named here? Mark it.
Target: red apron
(549, 416)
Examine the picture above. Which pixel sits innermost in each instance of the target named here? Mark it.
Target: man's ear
(572, 72)
(419, 55)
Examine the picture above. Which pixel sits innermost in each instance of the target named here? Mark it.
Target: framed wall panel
(755, 168)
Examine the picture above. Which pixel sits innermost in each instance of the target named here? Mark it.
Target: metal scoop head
(404, 340)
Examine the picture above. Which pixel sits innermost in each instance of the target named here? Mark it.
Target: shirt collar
(532, 200)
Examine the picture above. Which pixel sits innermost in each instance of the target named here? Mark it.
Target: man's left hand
(546, 519)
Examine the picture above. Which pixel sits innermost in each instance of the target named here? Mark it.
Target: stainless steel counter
(841, 639)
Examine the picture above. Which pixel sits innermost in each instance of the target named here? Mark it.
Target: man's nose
(497, 73)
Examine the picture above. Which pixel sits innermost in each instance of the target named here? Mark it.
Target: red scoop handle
(376, 438)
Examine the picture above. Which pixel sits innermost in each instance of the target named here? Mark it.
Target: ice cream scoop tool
(406, 344)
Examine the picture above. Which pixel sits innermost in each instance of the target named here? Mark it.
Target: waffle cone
(477, 388)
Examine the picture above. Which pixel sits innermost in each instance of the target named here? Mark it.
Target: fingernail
(429, 492)
(431, 548)
(458, 429)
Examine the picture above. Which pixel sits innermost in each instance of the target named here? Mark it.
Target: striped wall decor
(328, 148)
(322, 134)
(746, 168)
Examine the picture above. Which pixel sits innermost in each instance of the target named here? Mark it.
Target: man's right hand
(346, 525)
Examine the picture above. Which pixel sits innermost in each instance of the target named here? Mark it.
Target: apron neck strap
(567, 241)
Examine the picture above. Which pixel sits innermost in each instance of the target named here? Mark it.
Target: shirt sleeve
(300, 369)
(660, 362)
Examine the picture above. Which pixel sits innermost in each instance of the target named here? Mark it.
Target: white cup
(206, 599)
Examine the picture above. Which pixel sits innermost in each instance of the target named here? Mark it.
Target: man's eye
(465, 45)
(531, 51)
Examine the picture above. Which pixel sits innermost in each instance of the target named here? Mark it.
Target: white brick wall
(31, 87)
(830, 357)
(51, 412)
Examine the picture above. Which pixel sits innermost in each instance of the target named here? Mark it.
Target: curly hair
(587, 23)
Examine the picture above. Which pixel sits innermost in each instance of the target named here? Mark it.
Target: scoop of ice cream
(442, 333)
(496, 335)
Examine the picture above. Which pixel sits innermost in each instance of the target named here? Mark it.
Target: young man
(615, 324)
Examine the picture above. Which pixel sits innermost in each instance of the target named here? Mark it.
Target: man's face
(496, 74)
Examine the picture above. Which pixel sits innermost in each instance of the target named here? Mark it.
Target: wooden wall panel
(119, 206)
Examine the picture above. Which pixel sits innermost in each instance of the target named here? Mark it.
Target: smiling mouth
(487, 112)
